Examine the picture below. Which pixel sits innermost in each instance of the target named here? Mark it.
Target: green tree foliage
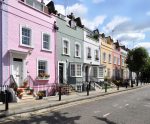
(136, 60)
(145, 73)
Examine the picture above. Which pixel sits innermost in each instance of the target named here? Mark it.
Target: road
(132, 107)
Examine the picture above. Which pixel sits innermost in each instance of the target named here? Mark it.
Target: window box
(97, 58)
(43, 76)
(89, 56)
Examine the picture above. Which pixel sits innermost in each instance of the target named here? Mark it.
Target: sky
(127, 21)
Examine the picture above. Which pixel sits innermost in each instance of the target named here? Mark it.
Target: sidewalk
(33, 105)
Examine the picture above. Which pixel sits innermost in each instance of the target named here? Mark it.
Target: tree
(146, 72)
(136, 59)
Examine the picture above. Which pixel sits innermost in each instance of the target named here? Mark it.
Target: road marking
(147, 106)
(105, 115)
(126, 104)
(115, 105)
(97, 112)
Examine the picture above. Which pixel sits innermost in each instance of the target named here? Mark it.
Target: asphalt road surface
(132, 107)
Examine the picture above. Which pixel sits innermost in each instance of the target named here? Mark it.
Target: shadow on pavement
(50, 118)
(105, 120)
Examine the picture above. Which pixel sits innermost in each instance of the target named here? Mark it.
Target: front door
(61, 74)
(18, 71)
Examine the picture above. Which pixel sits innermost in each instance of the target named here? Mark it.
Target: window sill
(78, 57)
(46, 50)
(65, 54)
(27, 46)
(42, 79)
(77, 76)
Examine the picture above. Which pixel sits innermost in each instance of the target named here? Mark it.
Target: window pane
(100, 72)
(77, 50)
(26, 36)
(42, 66)
(38, 5)
(66, 47)
(78, 70)
(95, 71)
(72, 69)
(29, 2)
(46, 41)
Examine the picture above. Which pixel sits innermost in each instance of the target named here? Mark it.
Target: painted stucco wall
(3, 42)
(117, 54)
(94, 45)
(20, 14)
(108, 49)
(74, 36)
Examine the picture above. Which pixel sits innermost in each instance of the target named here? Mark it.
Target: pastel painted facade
(28, 44)
(69, 51)
(92, 71)
(124, 69)
(116, 61)
(107, 55)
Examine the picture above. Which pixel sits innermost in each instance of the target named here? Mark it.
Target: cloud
(78, 9)
(148, 13)
(144, 44)
(131, 36)
(97, 1)
(95, 23)
(81, 11)
(60, 9)
(116, 21)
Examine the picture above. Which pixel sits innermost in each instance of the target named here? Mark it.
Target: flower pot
(40, 97)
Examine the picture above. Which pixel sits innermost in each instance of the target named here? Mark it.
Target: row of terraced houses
(40, 45)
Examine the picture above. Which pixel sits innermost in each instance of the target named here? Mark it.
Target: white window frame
(90, 52)
(123, 61)
(37, 63)
(96, 55)
(99, 72)
(95, 70)
(79, 50)
(119, 61)
(109, 58)
(65, 39)
(31, 39)
(75, 69)
(49, 50)
(115, 60)
(104, 57)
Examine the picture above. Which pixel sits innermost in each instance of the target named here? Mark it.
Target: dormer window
(72, 24)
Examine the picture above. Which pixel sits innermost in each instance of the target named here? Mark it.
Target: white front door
(18, 71)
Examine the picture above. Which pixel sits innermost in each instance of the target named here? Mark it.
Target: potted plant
(20, 93)
(25, 84)
(40, 94)
(43, 76)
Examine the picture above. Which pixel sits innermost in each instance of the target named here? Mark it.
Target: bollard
(6, 100)
(87, 88)
(105, 87)
(90, 86)
(59, 93)
(118, 87)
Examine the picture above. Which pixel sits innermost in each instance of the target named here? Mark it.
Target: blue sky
(125, 20)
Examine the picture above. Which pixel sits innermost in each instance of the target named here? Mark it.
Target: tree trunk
(137, 78)
(131, 80)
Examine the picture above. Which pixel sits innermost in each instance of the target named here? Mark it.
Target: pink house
(27, 44)
(116, 61)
